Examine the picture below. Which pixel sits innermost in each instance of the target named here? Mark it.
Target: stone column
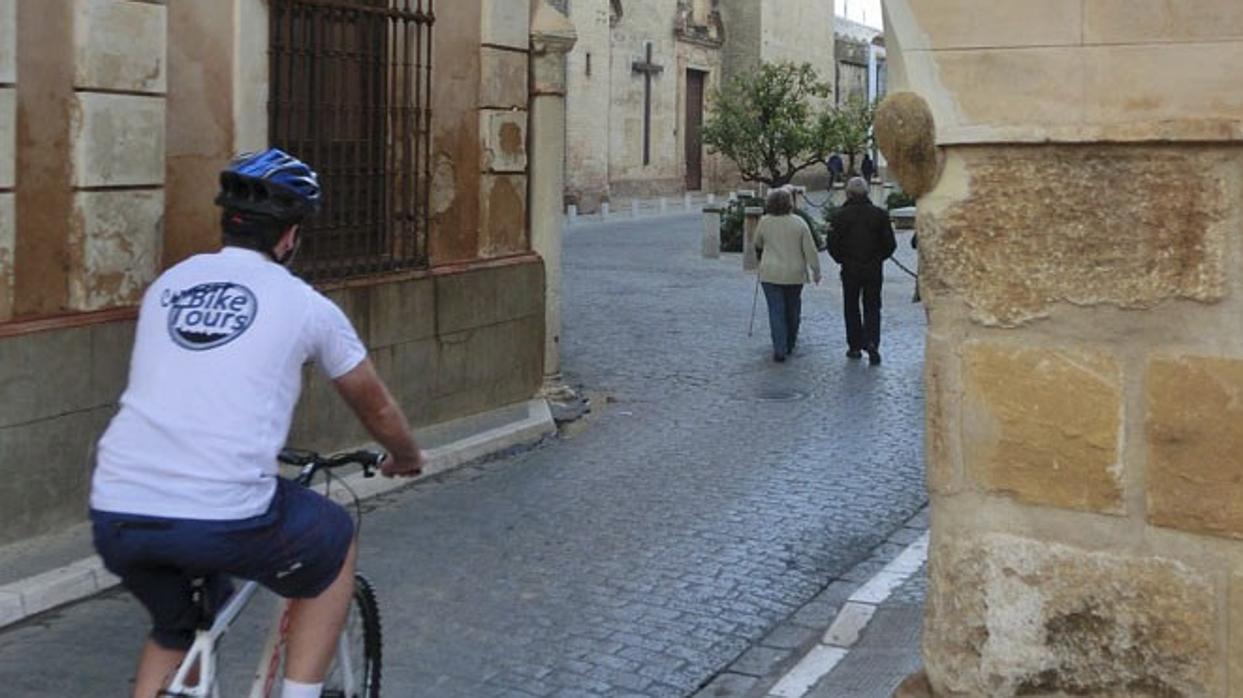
(1084, 361)
(8, 152)
(552, 37)
(750, 260)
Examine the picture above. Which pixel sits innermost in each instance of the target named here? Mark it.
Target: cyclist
(185, 485)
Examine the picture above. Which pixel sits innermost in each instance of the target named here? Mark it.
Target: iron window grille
(351, 95)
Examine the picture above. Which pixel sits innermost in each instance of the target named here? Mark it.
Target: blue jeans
(785, 309)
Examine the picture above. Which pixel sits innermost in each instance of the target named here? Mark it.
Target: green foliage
(734, 221)
(850, 130)
(769, 124)
(899, 199)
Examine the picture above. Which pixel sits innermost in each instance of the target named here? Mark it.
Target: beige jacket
(789, 250)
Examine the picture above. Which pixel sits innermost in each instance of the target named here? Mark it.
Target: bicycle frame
(202, 654)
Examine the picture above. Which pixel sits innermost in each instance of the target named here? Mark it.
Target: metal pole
(755, 299)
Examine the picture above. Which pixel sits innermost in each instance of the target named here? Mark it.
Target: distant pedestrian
(860, 241)
(868, 168)
(789, 251)
(835, 169)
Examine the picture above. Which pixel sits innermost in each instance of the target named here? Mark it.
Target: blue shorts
(296, 549)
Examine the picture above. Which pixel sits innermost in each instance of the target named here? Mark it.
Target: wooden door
(695, 80)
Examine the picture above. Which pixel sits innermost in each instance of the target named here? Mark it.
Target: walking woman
(789, 251)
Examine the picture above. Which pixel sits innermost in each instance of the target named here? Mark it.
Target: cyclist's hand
(403, 467)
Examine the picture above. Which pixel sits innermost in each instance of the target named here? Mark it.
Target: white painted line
(814, 666)
(848, 624)
(908, 562)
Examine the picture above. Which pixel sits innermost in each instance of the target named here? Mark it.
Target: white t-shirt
(215, 375)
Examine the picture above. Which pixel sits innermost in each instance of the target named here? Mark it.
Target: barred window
(351, 95)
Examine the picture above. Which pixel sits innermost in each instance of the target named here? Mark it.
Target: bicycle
(354, 672)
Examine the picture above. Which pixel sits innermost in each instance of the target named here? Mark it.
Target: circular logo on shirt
(209, 315)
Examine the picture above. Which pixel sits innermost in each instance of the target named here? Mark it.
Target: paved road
(709, 495)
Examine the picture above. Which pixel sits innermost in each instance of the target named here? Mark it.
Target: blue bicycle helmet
(272, 183)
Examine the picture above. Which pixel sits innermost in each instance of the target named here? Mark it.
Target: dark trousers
(785, 309)
(862, 331)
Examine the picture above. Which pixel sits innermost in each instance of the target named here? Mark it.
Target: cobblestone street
(709, 494)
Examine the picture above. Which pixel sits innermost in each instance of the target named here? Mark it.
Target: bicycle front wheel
(355, 671)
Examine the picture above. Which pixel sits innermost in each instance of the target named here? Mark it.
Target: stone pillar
(750, 260)
(552, 36)
(8, 152)
(711, 242)
(1083, 359)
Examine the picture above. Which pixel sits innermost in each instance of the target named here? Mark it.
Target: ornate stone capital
(552, 37)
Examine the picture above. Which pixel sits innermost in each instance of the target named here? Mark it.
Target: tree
(770, 122)
(850, 130)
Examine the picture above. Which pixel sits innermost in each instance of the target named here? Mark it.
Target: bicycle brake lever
(369, 470)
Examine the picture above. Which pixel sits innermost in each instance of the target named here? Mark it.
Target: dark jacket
(862, 236)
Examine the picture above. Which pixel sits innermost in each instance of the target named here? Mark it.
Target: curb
(850, 622)
(86, 577)
(799, 652)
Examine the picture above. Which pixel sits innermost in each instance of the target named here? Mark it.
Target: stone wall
(124, 116)
(1080, 261)
(449, 343)
(588, 105)
(605, 99)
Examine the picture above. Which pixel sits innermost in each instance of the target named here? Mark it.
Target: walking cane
(755, 298)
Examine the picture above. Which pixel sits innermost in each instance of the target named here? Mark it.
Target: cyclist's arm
(367, 395)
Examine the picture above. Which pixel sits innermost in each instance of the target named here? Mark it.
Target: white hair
(857, 188)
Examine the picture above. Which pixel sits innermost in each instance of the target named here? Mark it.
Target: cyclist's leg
(156, 667)
(315, 624)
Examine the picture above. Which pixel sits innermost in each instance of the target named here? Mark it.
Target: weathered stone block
(942, 417)
(116, 241)
(485, 297)
(120, 45)
(481, 368)
(503, 79)
(402, 312)
(1042, 225)
(1145, 21)
(1195, 446)
(118, 140)
(503, 216)
(355, 302)
(964, 24)
(111, 345)
(506, 23)
(504, 147)
(42, 375)
(8, 135)
(1044, 426)
(1235, 650)
(46, 467)
(8, 41)
(1013, 616)
(1147, 84)
(8, 242)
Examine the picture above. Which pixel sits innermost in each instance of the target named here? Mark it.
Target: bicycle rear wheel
(355, 671)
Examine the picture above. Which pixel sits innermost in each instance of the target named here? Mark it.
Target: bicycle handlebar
(312, 462)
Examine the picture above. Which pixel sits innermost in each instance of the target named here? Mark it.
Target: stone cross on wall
(649, 70)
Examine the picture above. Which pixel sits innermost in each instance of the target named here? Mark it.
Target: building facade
(641, 76)
(117, 115)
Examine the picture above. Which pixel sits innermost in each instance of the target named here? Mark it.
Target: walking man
(861, 240)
